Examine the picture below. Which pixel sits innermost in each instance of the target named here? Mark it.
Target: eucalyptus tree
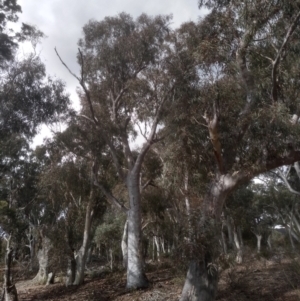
(246, 110)
(66, 183)
(27, 99)
(125, 89)
(8, 13)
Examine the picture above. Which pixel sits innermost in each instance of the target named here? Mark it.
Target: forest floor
(257, 279)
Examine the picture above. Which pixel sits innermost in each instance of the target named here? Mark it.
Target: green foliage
(110, 231)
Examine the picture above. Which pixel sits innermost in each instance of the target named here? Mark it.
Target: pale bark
(136, 277)
(153, 249)
(71, 272)
(269, 241)
(124, 245)
(43, 259)
(9, 289)
(239, 251)
(201, 282)
(31, 246)
(258, 237)
(187, 204)
(81, 255)
(157, 245)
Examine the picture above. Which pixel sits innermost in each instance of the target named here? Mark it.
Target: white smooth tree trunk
(124, 245)
(9, 289)
(136, 277)
(237, 243)
(31, 246)
(156, 241)
(81, 255)
(258, 237)
(269, 241)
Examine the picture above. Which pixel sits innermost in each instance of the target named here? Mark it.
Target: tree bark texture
(136, 277)
(258, 237)
(9, 289)
(201, 282)
(238, 246)
(81, 256)
(71, 272)
(202, 276)
(124, 246)
(157, 245)
(43, 259)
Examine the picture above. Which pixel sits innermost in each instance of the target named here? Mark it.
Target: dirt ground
(259, 280)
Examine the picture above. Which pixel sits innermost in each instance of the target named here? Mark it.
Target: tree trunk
(156, 241)
(291, 237)
(229, 230)
(31, 246)
(240, 236)
(239, 251)
(111, 259)
(223, 241)
(269, 241)
(81, 255)
(9, 289)
(162, 243)
(258, 237)
(201, 282)
(43, 259)
(153, 249)
(71, 272)
(202, 276)
(136, 277)
(124, 245)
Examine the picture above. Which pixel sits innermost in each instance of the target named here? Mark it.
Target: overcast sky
(62, 22)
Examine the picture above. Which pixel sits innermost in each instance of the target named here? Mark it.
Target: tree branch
(106, 192)
(115, 159)
(280, 55)
(286, 182)
(82, 84)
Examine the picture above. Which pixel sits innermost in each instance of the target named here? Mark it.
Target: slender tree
(125, 89)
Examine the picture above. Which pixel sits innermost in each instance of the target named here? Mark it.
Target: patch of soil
(258, 280)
